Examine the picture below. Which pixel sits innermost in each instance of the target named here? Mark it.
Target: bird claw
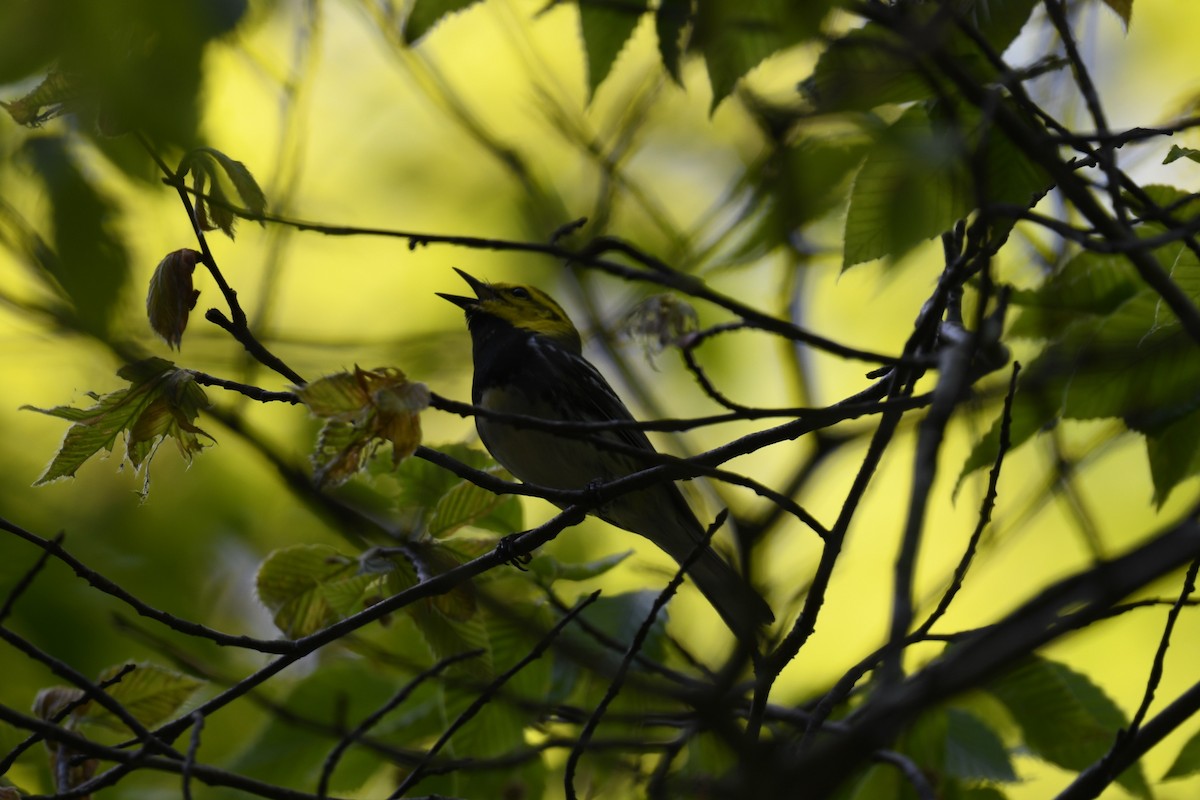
(504, 548)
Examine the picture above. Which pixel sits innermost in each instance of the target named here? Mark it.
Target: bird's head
(524, 308)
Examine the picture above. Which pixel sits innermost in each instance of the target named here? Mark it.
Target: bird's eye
(521, 293)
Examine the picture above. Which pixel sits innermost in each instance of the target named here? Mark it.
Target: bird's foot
(504, 548)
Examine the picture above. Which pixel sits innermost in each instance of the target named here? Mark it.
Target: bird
(528, 360)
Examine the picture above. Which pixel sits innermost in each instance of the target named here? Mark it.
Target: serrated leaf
(464, 504)
(248, 190)
(737, 35)
(1064, 717)
(915, 184)
(310, 586)
(1089, 283)
(152, 694)
(363, 410)
(162, 401)
(606, 26)
(670, 22)
(1187, 762)
(425, 14)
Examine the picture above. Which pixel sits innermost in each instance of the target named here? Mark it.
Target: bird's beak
(482, 292)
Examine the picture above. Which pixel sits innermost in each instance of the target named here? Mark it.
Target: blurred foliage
(875, 147)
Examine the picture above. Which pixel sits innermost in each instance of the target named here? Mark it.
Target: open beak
(482, 292)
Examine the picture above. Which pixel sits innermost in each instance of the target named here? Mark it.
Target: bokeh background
(486, 129)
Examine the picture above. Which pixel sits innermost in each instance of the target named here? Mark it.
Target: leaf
(871, 66)
(670, 22)
(212, 171)
(1064, 717)
(438, 502)
(152, 694)
(161, 402)
(974, 752)
(172, 297)
(606, 26)
(54, 96)
(1188, 761)
(308, 587)
(1174, 454)
(736, 35)
(90, 263)
(1178, 152)
(1124, 9)
(362, 410)
(915, 182)
(248, 190)
(425, 14)
(1088, 284)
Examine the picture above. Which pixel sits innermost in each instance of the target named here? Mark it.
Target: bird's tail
(742, 608)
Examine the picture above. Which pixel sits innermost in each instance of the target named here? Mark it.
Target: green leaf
(161, 402)
(438, 502)
(1089, 283)
(1064, 717)
(1174, 454)
(247, 188)
(736, 35)
(871, 66)
(151, 693)
(1188, 761)
(212, 172)
(1124, 10)
(606, 26)
(670, 21)
(975, 752)
(915, 182)
(1178, 152)
(308, 587)
(90, 263)
(808, 180)
(426, 14)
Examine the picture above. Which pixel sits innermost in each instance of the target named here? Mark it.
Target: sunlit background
(486, 129)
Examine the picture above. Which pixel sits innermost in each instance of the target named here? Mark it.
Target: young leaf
(207, 166)
(362, 410)
(161, 402)
(310, 586)
(172, 296)
(53, 97)
(151, 693)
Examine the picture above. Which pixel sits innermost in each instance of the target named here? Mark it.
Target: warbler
(529, 361)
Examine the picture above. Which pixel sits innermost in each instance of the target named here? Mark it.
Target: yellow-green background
(372, 139)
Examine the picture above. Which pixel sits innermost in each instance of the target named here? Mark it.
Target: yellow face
(524, 307)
